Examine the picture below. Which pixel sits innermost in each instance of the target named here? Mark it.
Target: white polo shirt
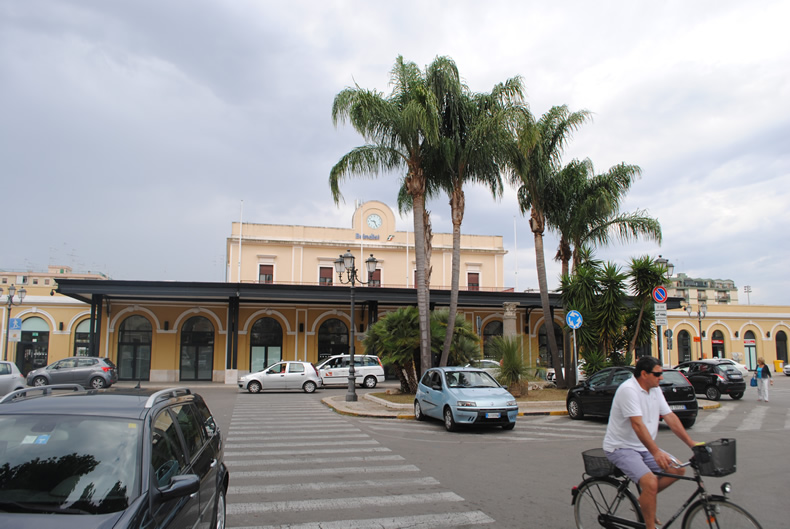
(631, 400)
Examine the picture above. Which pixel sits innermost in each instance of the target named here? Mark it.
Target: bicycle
(604, 499)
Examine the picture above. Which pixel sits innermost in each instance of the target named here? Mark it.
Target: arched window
(544, 353)
(197, 349)
(82, 338)
(684, 346)
(750, 350)
(332, 339)
(491, 329)
(134, 349)
(717, 344)
(781, 346)
(266, 344)
(32, 351)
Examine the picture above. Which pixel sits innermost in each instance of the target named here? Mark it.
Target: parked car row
(714, 377)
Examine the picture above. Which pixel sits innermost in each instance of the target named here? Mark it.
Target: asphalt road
(295, 463)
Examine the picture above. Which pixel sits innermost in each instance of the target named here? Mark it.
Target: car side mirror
(178, 487)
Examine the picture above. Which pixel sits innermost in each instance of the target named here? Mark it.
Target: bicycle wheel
(720, 513)
(598, 496)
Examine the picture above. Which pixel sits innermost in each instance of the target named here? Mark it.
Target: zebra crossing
(297, 465)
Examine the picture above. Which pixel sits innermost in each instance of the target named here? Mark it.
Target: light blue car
(464, 396)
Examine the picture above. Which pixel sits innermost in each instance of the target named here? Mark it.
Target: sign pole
(660, 313)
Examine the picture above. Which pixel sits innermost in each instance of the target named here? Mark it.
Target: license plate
(493, 415)
(677, 407)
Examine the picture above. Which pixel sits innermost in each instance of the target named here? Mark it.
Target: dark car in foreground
(714, 377)
(115, 458)
(594, 396)
(87, 371)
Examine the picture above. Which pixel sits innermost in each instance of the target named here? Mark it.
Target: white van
(367, 368)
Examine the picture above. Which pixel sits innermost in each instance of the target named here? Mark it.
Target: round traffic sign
(574, 319)
(660, 294)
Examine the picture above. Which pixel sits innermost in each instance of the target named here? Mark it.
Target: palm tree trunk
(537, 224)
(457, 205)
(632, 345)
(423, 306)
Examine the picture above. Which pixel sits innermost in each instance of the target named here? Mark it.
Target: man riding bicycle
(630, 435)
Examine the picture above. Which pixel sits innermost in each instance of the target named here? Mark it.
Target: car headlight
(467, 404)
(511, 403)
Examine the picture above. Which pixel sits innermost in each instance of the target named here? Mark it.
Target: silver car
(10, 378)
(368, 370)
(87, 371)
(283, 375)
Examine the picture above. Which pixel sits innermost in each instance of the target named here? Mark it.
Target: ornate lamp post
(10, 302)
(345, 265)
(702, 310)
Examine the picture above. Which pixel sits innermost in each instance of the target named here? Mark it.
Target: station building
(282, 300)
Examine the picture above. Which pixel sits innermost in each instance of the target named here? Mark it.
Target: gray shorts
(633, 463)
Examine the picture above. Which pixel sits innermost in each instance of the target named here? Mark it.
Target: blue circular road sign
(574, 319)
(660, 295)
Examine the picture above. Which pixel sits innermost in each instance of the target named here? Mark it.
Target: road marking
(754, 419)
(424, 521)
(333, 485)
(712, 420)
(342, 503)
(257, 434)
(268, 453)
(237, 444)
(312, 460)
(317, 471)
(311, 443)
(340, 427)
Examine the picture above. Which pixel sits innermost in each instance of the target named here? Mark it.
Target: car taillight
(684, 376)
(379, 361)
(316, 370)
(721, 377)
(106, 369)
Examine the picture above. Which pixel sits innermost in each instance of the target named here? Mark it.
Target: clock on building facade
(374, 221)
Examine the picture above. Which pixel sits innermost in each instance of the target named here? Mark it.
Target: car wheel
(712, 393)
(688, 423)
(370, 382)
(575, 410)
(449, 421)
(39, 381)
(309, 386)
(418, 411)
(98, 383)
(509, 426)
(736, 396)
(254, 387)
(219, 510)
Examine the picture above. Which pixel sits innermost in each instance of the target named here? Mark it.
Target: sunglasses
(657, 373)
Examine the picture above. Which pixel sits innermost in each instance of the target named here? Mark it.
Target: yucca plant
(507, 349)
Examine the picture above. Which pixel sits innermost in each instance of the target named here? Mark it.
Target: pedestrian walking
(763, 375)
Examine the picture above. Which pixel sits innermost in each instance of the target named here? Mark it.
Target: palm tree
(586, 209)
(399, 129)
(534, 164)
(473, 145)
(646, 274)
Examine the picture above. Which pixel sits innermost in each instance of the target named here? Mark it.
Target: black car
(594, 396)
(115, 458)
(713, 378)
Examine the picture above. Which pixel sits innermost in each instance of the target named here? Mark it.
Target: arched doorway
(197, 349)
(134, 349)
(82, 338)
(717, 344)
(684, 346)
(266, 344)
(32, 351)
(750, 350)
(781, 346)
(491, 329)
(543, 345)
(332, 339)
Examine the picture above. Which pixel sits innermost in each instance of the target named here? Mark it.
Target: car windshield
(68, 464)
(470, 379)
(675, 378)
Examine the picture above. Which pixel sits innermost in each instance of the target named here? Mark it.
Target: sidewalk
(369, 406)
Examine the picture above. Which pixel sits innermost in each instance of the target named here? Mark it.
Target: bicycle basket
(716, 458)
(596, 463)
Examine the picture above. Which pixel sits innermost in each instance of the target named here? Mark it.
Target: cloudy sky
(130, 131)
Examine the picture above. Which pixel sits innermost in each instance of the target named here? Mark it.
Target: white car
(10, 378)
(368, 370)
(740, 367)
(489, 366)
(580, 376)
(283, 375)
(786, 370)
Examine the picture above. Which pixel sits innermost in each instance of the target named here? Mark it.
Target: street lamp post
(702, 310)
(345, 264)
(10, 302)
